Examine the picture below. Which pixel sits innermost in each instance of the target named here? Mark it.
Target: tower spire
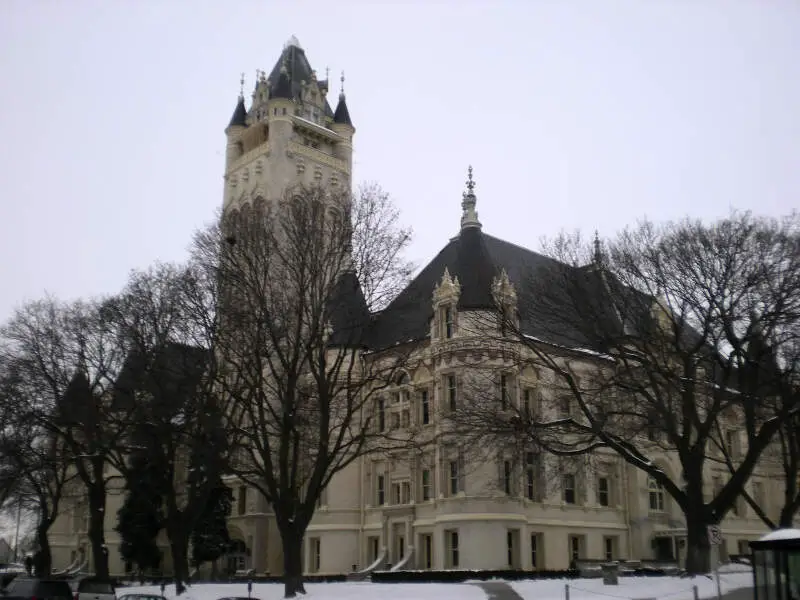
(469, 216)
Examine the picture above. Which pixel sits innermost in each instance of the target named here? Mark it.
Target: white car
(93, 589)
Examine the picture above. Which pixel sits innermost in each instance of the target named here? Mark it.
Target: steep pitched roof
(298, 69)
(342, 115)
(476, 259)
(170, 374)
(348, 311)
(239, 117)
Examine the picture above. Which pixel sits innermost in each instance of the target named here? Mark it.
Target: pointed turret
(342, 116)
(239, 118)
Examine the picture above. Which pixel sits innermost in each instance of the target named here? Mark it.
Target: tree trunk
(698, 548)
(179, 545)
(788, 513)
(214, 572)
(292, 541)
(43, 563)
(97, 516)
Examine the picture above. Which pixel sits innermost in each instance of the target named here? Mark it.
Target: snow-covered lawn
(633, 588)
(629, 588)
(325, 591)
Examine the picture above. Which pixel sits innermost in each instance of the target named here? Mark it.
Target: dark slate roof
(342, 115)
(476, 259)
(298, 69)
(348, 311)
(170, 375)
(239, 117)
(283, 87)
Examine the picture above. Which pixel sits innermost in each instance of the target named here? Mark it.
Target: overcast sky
(575, 114)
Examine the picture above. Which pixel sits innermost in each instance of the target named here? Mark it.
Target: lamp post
(16, 534)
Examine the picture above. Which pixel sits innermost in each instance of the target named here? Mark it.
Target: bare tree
(659, 346)
(34, 468)
(783, 455)
(167, 387)
(297, 280)
(68, 354)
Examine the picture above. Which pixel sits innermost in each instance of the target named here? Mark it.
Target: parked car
(91, 588)
(141, 597)
(28, 588)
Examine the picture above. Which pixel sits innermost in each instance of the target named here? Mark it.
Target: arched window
(656, 494)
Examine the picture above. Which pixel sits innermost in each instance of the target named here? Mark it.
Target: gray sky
(575, 114)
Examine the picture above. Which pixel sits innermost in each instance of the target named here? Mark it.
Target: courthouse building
(435, 509)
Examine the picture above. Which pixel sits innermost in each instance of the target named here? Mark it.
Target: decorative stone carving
(318, 174)
(448, 290)
(259, 167)
(503, 291)
(245, 175)
(301, 167)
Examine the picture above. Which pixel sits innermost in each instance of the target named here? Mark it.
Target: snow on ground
(325, 591)
(629, 588)
(633, 588)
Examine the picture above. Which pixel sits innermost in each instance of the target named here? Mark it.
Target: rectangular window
(316, 554)
(381, 491)
(242, 500)
(448, 322)
(395, 493)
(503, 391)
(426, 485)
(530, 476)
(373, 544)
(526, 402)
(452, 542)
(395, 420)
(452, 399)
(656, 495)
(603, 494)
(454, 477)
(405, 492)
(427, 550)
(534, 551)
(426, 407)
(511, 548)
(568, 486)
(758, 494)
(610, 548)
(566, 405)
(406, 419)
(381, 414)
(507, 477)
(574, 547)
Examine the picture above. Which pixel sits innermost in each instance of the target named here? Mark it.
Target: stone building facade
(440, 508)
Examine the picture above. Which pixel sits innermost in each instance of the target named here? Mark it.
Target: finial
(241, 87)
(327, 73)
(470, 181)
(598, 253)
(341, 79)
(469, 216)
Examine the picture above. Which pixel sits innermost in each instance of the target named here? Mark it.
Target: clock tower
(289, 135)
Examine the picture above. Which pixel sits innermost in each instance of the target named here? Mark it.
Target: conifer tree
(141, 517)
